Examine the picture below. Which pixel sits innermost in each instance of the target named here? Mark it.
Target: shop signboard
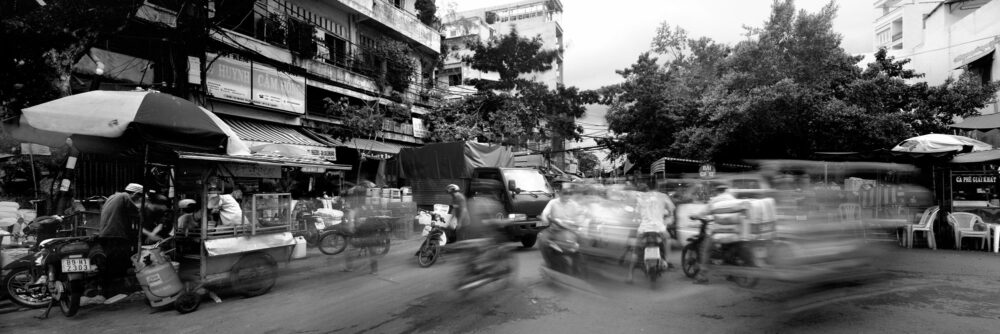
(248, 82)
(278, 90)
(974, 189)
(253, 170)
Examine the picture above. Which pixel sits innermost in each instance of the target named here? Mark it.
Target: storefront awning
(256, 133)
(374, 146)
(264, 160)
(973, 157)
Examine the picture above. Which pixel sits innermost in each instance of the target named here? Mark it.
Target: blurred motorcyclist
(655, 213)
(565, 208)
(722, 193)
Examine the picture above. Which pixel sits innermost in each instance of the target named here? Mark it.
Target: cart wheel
(254, 274)
(332, 243)
(187, 302)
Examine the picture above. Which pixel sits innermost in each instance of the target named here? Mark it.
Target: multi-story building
(530, 18)
(455, 73)
(942, 39)
(269, 67)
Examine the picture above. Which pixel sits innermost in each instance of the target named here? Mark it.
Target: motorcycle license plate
(76, 265)
(652, 253)
(760, 252)
(319, 226)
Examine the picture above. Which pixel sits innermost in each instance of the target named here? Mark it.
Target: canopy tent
(982, 123)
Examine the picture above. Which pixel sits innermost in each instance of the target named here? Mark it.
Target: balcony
(399, 20)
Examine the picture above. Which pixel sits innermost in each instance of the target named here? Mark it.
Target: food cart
(242, 256)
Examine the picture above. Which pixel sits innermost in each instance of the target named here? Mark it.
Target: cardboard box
(395, 193)
(386, 192)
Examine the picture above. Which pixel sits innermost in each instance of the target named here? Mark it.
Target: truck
(483, 172)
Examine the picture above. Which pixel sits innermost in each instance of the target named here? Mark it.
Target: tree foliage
(510, 55)
(426, 10)
(588, 163)
(42, 42)
(511, 110)
(787, 91)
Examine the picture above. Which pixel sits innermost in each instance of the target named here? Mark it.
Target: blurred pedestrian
(722, 193)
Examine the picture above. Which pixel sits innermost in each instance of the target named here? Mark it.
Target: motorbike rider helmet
(453, 188)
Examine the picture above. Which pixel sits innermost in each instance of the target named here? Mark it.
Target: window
(455, 79)
(338, 50)
(398, 3)
(236, 15)
(982, 67)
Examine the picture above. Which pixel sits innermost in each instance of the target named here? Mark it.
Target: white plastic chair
(926, 224)
(963, 223)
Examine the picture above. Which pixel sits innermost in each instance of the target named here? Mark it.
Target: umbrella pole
(145, 190)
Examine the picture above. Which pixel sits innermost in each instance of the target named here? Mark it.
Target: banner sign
(975, 179)
(253, 170)
(247, 82)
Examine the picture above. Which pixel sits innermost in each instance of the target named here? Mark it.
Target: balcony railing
(897, 37)
(399, 20)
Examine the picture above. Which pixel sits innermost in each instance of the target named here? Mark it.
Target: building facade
(942, 39)
(270, 69)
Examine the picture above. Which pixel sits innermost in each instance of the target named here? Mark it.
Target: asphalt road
(925, 291)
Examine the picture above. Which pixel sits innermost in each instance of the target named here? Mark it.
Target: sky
(603, 36)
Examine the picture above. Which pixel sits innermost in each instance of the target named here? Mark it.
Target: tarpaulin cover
(984, 122)
(243, 244)
(451, 160)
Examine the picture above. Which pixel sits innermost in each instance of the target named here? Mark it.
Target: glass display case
(271, 211)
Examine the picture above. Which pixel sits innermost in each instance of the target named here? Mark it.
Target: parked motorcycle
(66, 267)
(738, 253)
(19, 281)
(434, 238)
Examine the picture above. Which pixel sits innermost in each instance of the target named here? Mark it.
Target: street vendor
(156, 224)
(117, 234)
(227, 207)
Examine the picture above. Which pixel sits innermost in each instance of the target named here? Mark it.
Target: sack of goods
(330, 217)
(751, 219)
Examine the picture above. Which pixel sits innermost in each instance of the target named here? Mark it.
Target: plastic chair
(962, 223)
(850, 213)
(926, 224)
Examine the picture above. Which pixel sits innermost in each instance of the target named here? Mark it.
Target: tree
(426, 10)
(787, 91)
(510, 56)
(512, 110)
(43, 40)
(588, 163)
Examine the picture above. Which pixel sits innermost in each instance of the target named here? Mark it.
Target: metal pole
(31, 160)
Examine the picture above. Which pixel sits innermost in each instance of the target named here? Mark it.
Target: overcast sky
(604, 36)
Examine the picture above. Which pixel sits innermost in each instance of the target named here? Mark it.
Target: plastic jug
(300, 248)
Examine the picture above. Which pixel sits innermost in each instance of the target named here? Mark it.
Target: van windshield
(528, 180)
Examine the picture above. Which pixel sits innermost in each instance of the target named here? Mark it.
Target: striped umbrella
(151, 116)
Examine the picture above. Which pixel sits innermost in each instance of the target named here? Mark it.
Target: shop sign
(253, 170)
(247, 82)
(706, 171)
(326, 153)
(313, 170)
(27, 148)
(976, 179)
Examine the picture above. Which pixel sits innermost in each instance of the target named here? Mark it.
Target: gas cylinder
(160, 283)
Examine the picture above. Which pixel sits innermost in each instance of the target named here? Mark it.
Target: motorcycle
(19, 280)
(67, 266)
(561, 248)
(734, 253)
(434, 238)
(653, 264)
(333, 235)
(487, 261)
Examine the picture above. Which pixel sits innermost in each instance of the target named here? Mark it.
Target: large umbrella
(148, 115)
(941, 143)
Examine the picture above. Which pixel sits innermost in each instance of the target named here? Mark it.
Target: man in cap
(117, 234)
